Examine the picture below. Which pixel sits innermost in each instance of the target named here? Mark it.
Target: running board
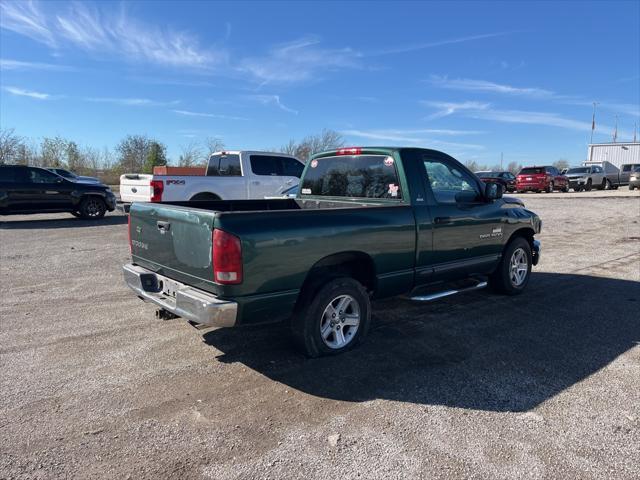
(447, 293)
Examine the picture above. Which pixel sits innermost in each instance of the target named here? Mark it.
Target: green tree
(133, 151)
(157, 156)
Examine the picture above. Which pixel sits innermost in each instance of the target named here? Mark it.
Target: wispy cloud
(132, 102)
(26, 18)
(484, 111)
(436, 43)
(297, 61)
(88, 28)
(8, 64)
(484, 86)
(189, 113)
(415, 136)
(444, 109)
(21, 92)
(470, 85)
(272, 100)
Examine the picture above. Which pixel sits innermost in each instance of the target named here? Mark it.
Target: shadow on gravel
(70, 222)
(478, 351)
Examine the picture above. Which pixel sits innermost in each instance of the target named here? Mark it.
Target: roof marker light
(349, 151)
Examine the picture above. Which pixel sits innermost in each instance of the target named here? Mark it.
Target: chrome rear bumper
(184, 301)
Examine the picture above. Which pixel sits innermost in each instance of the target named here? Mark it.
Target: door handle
(163, 226)
(442, 220)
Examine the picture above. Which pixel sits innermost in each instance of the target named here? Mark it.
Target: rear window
(531, 170)
(361, 176)
(224, 165)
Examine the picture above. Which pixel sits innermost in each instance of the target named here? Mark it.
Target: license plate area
(168, 287)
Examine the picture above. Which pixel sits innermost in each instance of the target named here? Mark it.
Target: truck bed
(282, 239)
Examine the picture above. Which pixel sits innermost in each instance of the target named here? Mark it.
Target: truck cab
(230, 175)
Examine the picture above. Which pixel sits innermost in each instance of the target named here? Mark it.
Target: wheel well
(357, 265)
(205, 196)
(526, 233)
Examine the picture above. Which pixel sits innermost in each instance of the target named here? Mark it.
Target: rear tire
(549, 189)
(565, 189)
(92, 208)
(514, 270)
(334, 320)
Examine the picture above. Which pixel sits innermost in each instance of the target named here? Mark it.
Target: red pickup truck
(538, 179)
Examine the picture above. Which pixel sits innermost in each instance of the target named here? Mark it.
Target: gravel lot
(546, 385)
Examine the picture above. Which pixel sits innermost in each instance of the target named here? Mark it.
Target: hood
(513, 201)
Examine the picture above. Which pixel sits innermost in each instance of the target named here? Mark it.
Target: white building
(616, 154)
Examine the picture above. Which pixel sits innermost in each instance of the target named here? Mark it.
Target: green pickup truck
(367, 223)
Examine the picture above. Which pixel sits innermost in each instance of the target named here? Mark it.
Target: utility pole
(501, 157)
(593, 121)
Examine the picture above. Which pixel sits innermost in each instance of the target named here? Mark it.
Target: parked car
(634, 178)
(625, 172)
(585, 178)
(72, 176)
(37, 190)
(540, 179)
(367, 223)
(234, 175)
(506, 179)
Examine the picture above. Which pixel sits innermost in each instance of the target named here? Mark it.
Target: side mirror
(493, 191)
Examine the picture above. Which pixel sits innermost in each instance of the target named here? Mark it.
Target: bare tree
(474, 166)
(514, 167)
(53, 152)
(562, 163)
(9, 145)
(191, 155)
(326, 140)
(26, 154)
(213, 144)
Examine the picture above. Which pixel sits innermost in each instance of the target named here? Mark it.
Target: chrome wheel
(518, 267)
(340, 321)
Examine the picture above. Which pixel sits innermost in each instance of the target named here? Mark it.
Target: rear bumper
(536, 252)
(188, 302)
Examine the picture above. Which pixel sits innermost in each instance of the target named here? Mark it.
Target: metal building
(617, 154)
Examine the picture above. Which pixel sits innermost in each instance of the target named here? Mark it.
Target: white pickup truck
(238, 175)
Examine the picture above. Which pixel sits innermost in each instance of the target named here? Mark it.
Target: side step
(447, 293)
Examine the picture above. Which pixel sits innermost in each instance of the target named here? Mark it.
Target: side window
(9, 175)
(291, 167)
(626, 168)
(38, 175)
(450, 184)
(266, 165)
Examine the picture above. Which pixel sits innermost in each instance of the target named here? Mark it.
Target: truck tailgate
(173, 241)
(135, 187)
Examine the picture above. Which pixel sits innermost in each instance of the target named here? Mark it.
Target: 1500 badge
(496, 232)
(142, 245)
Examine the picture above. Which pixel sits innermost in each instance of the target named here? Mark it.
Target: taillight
(227, 258)
(157, 187)
(349, 151)
(129, 230)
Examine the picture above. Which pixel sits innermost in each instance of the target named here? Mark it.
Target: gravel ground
(546, 385)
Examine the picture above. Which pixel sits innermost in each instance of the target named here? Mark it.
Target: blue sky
(473, 79)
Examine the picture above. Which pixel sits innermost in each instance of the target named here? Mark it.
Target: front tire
(588, 186)
(333, 320)
(92, 208)
(513, 273)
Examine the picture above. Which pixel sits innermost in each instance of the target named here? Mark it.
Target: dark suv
(37, 190)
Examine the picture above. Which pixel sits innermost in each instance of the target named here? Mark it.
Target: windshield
(579, 170)
(532, 170)
(356, 176)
